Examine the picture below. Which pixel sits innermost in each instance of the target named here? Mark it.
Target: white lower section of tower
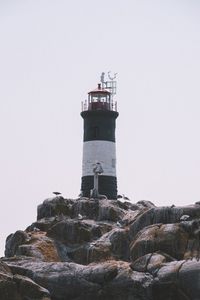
(99, 151)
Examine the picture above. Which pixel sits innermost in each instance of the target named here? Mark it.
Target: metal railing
(98, 106)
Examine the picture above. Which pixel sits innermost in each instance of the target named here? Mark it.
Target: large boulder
(55, 207)
(151, 262)
(112, 245)
(178, 280)
(75, 231)
(33, 243)
(14, 241)
(18, 287)
(169, 238)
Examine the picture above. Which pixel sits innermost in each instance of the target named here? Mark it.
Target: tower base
(107, 186)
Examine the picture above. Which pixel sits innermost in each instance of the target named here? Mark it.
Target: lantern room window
(99, 99)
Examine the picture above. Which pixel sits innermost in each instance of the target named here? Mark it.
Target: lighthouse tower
(99, 113)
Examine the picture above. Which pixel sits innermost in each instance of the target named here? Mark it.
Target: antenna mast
(110, 84)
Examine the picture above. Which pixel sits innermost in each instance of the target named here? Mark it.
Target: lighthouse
(99, 113)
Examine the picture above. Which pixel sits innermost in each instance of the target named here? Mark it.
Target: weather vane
(112, 78)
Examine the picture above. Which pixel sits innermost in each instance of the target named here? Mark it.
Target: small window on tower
(113, 163)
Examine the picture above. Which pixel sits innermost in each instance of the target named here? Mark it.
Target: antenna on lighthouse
(110, 84)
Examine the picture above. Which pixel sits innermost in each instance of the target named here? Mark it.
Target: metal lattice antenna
(112, 78)
(110, 84)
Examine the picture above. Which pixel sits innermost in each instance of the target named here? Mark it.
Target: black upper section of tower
(99, 125)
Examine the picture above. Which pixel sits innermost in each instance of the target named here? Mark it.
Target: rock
(145, 204)
(114, 244)
(106, 280)
(110, 212)
(178, 280)
(119, 239)
(127, 205)
(13, 242)
(85, 249)
(74, 231)
(164, 215)
(169, 238)
(55, 207)
(151, 262)
(28, 289)
(99, 250)
(45, 223)
(17, 287)
(42, 248)
(35, 244)
(189, 275)
(87, 208)
(92, 209)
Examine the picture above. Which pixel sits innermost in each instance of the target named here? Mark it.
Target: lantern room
(99, 99)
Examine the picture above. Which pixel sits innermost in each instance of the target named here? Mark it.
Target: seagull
(80, 217)
(125, 198)
(56, 193)
(119, 224)
(80, 195)
(35, 229)
(103, 197)
(184, 218)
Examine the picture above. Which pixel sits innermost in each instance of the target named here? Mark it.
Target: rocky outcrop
(86, 249)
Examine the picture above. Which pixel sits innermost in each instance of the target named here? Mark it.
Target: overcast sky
(52, 53)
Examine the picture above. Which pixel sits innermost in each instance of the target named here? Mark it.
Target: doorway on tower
(95, 132)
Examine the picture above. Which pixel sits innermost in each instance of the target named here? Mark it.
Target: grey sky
(52, 53)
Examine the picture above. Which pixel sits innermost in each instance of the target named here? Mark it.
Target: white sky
(52, 53)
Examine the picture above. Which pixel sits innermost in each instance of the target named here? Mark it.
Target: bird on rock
(119, 224)
(184, 218)
(80, 217)
(125, 198)
(57, 193)
(35, 229)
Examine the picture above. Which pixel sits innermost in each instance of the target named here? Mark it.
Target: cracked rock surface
(82, 249)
